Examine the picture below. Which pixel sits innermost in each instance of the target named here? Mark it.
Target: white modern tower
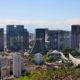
(16, 64)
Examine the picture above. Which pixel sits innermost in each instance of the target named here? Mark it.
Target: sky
(52, 14)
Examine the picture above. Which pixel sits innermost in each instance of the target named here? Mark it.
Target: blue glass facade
(16, 36)
(1, 39)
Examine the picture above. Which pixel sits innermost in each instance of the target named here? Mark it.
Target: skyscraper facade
(52, 40)
(1, 39)
(26, 40)
(11, 40)
(17, 38)
(59, 39)
(75, 38)
(39, 44)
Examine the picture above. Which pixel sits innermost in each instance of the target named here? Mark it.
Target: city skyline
(53, 14)
(39, 40)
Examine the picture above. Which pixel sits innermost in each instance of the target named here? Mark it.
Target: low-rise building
(17, 65)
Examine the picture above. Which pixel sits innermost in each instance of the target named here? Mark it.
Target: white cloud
(32, 24)
(40, 22)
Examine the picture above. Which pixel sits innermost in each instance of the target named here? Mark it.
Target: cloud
(40, 22)
(32, 24)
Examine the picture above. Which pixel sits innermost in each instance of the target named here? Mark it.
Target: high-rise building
(17, 65)
(1, 39)
(17, 38)
(39, 44)
(11, 34)
(52, 40)
(41, 34)
(75, 38)
(59, 39)
(26, 40)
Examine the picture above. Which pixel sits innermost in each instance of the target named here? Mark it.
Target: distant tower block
(17, 38)
(39, 44)
(39, 47)
(1, 39)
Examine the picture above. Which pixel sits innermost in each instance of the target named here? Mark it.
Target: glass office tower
(17, 38)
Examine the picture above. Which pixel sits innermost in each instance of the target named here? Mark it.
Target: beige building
(5, 66)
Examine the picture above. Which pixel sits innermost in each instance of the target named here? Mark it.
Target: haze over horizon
(52, 14)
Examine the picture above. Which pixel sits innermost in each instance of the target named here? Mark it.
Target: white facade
(38, 58)
(75, 61)
(17, 64)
